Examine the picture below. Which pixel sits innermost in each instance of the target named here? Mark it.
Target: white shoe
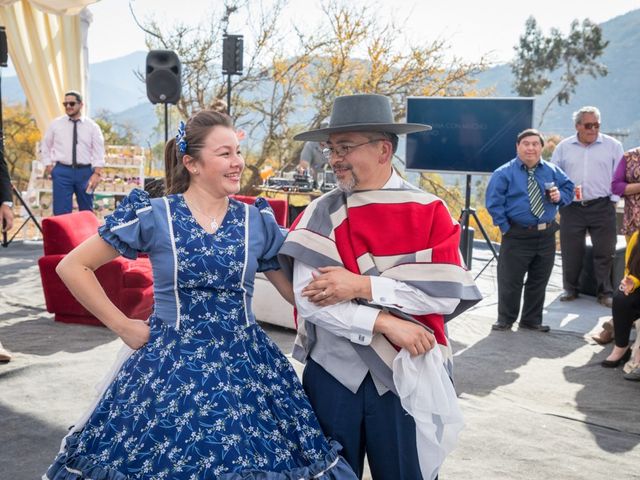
(630, 366)
(5, 356)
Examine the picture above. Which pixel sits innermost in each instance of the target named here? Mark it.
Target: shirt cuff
(362, 325)
(383, 290)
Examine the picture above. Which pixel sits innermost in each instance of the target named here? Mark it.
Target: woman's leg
(626, 309)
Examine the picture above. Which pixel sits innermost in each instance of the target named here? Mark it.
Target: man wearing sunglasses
(73, 155)
(376, 264)
(589, 158)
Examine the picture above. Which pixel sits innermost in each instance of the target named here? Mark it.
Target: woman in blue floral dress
(204, 394)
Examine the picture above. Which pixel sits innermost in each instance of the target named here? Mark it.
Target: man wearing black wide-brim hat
(376, 265)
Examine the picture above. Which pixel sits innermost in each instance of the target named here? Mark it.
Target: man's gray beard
(348, 186)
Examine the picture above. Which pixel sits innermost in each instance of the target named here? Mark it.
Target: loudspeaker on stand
(163, 76)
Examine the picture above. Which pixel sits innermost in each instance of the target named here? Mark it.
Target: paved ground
(537, 406)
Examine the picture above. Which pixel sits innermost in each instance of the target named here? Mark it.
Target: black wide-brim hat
(361, 113)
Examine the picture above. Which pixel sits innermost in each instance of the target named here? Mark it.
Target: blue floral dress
(210, 396)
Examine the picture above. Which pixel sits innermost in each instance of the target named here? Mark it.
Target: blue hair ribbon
(180, 138)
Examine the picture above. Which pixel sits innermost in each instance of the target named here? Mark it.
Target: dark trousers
(365, 422)
(67, 181)
(626, 310)
(524, 252)
(599, 220)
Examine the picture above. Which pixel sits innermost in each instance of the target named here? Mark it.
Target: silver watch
(8, 204)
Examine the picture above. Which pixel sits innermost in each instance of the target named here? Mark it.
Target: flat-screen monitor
(470, 135)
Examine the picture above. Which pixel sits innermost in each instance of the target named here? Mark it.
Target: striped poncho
(404, 234)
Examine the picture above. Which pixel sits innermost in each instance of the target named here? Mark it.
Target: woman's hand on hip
(135, 333)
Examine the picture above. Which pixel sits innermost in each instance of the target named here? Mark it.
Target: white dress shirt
(355, 322)
(58, 142)
(591, 166)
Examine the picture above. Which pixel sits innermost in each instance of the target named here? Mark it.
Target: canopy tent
(47, 44)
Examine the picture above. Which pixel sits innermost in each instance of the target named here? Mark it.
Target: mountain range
(617, 95)
(115, 88)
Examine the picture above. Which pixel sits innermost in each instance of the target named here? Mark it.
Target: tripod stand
(466, 237)
(16, 194)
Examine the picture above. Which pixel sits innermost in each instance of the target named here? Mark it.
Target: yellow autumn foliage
(487, 222)
(20, 139)
(352, 49)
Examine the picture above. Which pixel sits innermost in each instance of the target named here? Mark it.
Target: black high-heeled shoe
(622, 360)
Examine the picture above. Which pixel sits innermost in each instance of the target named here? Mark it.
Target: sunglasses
(69, 104)
(590, 125)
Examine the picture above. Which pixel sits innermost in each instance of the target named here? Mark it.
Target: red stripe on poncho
(396, 229)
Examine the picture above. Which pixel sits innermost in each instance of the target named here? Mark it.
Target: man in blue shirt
(523, 197)
(589, 158)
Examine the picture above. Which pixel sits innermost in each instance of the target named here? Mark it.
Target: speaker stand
(229, 94)
(166, 123)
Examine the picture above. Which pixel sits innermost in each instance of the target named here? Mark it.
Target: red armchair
(279, 207)
(128, 283)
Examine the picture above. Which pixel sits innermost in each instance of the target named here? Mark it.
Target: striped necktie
(535, 197)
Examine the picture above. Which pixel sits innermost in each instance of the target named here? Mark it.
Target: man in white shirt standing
(589, 159)
(376, 264)
(73, 154)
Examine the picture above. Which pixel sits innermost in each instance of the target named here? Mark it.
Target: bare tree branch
(291, 76)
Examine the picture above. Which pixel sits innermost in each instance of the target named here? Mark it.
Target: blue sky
(471, 28)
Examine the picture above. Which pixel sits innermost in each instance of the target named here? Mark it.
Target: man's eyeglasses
(590, 125)
(344, 150)
(69, 104)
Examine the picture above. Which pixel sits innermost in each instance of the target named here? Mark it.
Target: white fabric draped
(56, 7)
(427, 394)
(46, 44)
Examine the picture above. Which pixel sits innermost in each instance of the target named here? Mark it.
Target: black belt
(538, 226)
(79, 165)
(586, 203)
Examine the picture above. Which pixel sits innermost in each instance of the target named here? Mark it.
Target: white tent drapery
(46, 40)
